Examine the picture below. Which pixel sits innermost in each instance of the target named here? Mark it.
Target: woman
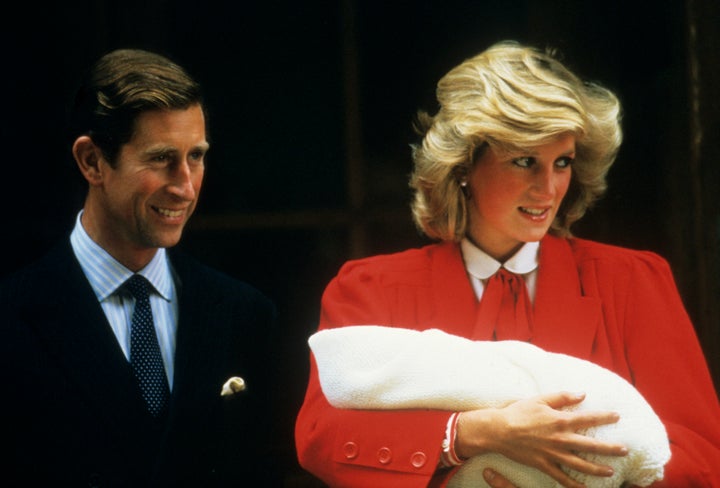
(517, 152)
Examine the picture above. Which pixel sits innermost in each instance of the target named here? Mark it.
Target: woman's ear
(88, 156)
(460, 174)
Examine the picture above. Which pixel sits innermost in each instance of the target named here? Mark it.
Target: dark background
(311, 106)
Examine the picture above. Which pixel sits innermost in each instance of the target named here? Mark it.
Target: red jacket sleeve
(361, 448)
(669, 368)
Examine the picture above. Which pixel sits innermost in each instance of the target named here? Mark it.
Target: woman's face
(513, 198)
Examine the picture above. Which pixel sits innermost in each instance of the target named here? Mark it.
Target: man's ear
(88, 156)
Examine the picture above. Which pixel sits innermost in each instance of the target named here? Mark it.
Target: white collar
(483, 266)
(106, 274)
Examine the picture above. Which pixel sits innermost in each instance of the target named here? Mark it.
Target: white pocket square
(232, 386)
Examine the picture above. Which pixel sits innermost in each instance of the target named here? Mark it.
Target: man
(84, 403)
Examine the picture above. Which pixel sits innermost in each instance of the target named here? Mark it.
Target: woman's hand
(496, 480)
(537, 433)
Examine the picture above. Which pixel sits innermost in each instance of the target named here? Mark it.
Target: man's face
(144, 202)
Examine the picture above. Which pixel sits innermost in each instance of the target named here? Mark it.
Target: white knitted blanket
(376, 367)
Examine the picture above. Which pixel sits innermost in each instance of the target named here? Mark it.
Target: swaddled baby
(376, 367)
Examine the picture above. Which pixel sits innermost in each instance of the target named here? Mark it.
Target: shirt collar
(483, 266)
(106, 274)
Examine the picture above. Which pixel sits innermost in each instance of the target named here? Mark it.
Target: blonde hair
(510, 98)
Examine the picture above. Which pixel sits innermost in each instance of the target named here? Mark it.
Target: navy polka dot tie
(145, 355)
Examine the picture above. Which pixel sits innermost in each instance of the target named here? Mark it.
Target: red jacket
(616, 307)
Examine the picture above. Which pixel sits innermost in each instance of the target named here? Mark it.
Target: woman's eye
(524, 162)
(564, 162)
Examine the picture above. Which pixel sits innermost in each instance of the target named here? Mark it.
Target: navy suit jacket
(73, 412)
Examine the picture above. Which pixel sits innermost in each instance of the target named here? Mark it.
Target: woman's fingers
(581, 443)
(572, 419)
(496, 480)
(562, 399)
(543, 433)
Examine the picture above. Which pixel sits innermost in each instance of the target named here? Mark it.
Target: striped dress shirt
(106, 276)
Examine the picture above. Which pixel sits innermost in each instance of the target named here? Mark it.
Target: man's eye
(524, 162)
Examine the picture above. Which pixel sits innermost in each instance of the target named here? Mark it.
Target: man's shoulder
(36, 275)
(208, 279)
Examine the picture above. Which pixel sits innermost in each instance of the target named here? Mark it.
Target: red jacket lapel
(565, 320)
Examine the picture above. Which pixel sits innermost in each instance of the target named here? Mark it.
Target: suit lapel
(74, 329)
(198, 338)
(565, 321)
